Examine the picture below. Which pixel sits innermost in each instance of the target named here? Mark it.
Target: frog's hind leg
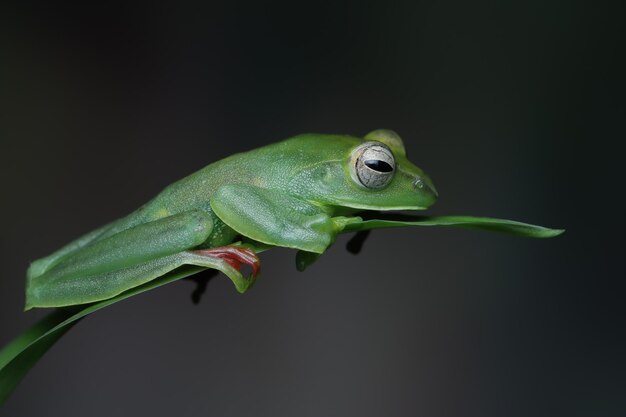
(111, 265)
(40, 266)
(228, 260)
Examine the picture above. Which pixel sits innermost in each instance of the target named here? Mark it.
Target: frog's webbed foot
(230, 260)
(235, 256)
(355, 244)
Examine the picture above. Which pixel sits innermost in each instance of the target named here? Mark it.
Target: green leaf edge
(21, 354)
(467, 222)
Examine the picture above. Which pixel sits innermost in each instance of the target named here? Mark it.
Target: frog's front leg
(305, 258)
(275, 218)
(133, 257)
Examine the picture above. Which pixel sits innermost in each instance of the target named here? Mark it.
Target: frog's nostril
(420, 184)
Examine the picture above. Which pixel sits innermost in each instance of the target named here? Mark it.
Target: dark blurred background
(514, 108)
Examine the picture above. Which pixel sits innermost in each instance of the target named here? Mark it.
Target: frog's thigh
(119, 262)
(103, 286)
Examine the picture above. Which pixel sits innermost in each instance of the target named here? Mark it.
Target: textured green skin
(296, 194)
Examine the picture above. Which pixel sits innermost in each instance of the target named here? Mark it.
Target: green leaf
(19, 356)
(466, 222)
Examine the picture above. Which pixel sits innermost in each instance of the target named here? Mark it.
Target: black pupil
(377, 165)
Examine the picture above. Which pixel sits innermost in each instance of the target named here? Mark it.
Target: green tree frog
(300, 193)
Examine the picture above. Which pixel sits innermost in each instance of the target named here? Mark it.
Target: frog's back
(264, 166)
(191, 192)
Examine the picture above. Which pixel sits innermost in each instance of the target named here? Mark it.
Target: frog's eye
(372, 165)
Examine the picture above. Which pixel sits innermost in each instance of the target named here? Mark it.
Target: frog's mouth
(351, 208)
(424, 196)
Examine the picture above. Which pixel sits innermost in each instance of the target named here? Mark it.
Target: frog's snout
(425, 187)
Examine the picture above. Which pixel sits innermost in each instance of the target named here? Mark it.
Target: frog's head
(369, 173)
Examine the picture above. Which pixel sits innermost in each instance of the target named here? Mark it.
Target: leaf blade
(20, 355)
(466, 222)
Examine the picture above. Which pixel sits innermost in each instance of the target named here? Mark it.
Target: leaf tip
(555, 232)
(546, 233)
